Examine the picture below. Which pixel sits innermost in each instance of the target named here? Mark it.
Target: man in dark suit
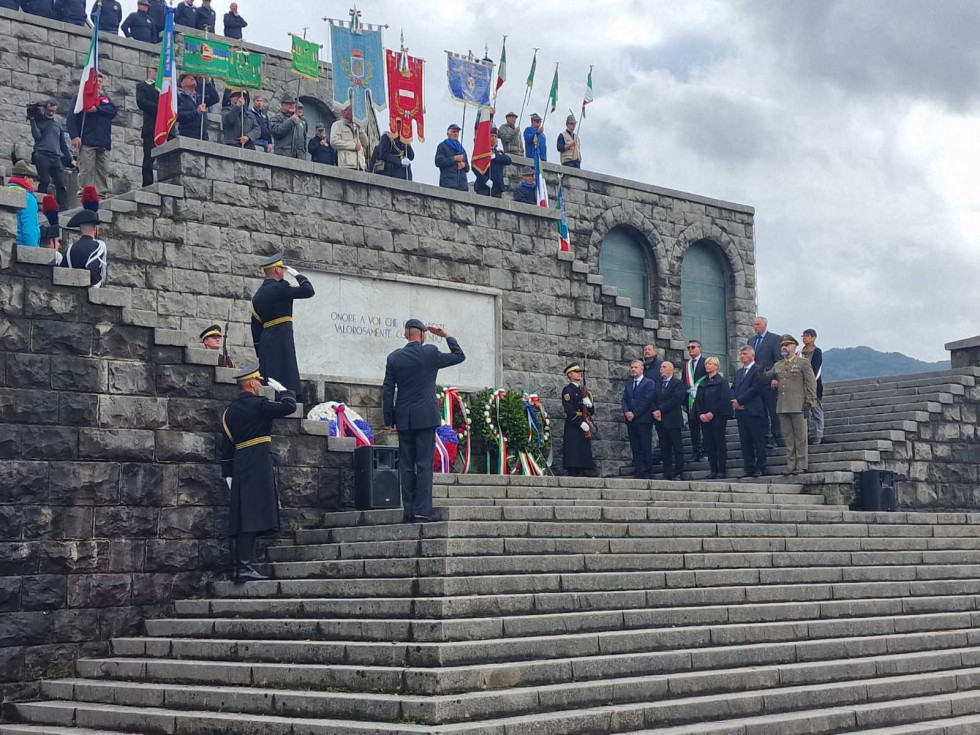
(637, 407)
(767, 353)
(669, 398)
(750, 413)
(694, 373)
(414, 412)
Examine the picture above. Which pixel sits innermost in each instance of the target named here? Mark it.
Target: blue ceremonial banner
(358, 64)
(470, 80)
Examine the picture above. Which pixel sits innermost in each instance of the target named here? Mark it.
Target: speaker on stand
(376, 485)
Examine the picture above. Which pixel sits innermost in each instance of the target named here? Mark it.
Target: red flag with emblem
(405, 101)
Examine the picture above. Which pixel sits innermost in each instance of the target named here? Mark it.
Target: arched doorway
(623, 264)
(704, 299)
(315, 113)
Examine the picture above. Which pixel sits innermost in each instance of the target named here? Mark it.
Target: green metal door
(704, 300)
(622, 264)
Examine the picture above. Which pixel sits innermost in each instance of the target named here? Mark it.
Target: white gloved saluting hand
(228, 481)
(585, 426)
(292, 271)
(406, 163)
(275, 385)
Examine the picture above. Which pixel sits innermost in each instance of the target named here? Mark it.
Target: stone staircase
(566, 606)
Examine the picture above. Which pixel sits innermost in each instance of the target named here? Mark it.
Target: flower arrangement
(343, 421)
(456, 416)
(447, 449)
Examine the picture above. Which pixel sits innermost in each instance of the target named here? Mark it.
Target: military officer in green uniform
(797, 386)
(578, 430)
(247, 466)
(272, 321)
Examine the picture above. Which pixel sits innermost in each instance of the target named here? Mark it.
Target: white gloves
(275, 385)
(228, 482)
(587, 402)
(292, 271)
(585, 426)
(406, 163)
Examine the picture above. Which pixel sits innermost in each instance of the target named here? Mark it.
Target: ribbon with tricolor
(453, 399)
(501, 439)
(345, 425)
(528, 465)
(443, 454)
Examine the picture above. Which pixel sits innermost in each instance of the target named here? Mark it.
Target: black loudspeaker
(878, 490)
(376, 483)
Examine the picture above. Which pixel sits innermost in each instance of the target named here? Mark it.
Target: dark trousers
(148, 147)
(416, 449)
(641, 444)
(50, 170)
(671, 451)
(752, 437)
(244, 548)
(716, 444)
(773, 429)
(697, 442)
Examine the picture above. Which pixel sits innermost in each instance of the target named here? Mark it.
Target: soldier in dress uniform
(88, 251)
(248, 468)
(578, 432)
(272, 321)
(211, 339)
(797, 385)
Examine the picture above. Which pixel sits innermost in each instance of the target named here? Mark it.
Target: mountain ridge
(849, 363)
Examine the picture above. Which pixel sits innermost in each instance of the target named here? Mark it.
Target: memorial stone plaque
(347, 330)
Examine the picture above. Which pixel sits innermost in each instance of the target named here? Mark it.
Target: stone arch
(628, 217)
(317, 111)
(732, 264)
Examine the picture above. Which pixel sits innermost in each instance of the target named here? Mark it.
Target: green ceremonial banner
(244, 70)
(306, 58)
(205, 56)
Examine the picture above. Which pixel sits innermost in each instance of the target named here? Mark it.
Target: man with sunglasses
(694, 374)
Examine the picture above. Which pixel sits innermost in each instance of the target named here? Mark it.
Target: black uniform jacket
(412, 370)
(272, 328)
(576, 446)
(246, 457)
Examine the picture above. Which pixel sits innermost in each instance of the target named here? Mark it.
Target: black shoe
(780, 442)
(408, 519)
(759, 473)
(246, 573)
(770, 446)
(422, 519)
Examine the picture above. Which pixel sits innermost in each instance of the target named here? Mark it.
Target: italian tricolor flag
(167, 84)
(88, 87)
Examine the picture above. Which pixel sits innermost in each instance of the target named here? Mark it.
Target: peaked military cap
(273, 261)
(415, 324)
(85, 217)
(249, 373)
(788, 339)
(213, 331)
(574, 368)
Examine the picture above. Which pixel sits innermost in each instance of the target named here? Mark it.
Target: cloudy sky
(851, 125)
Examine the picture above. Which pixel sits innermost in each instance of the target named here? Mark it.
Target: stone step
(543, 624)
(496, 546)
(448, 566)
(825, 708)
(963, 377)
(745, 503)
(876, 422)
(556, 602)
(843, 681)
(53, 730)
(838, 403)
(882, 412)
(704, 491)
(953, 389)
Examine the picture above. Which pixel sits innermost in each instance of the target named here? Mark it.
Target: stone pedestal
(964, 352)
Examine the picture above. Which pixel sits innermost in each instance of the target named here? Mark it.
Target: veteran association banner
(244, 70)
(306, 58)
(206, 56)
(405, 101)
(470, 80)
(358, 64)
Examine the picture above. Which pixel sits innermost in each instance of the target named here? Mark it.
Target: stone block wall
(42, 58)
(111, 501)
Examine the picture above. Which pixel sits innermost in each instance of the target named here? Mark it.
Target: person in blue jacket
(526, 191)
(452, 162)
(234, 22)
(110, 16)
(70, 11)
(91, 134)
(192, 107)
(10, 4)
(44, 8)
(185, 14)
(140, 25)
(24, 178)
(532, 132)
(205, 18)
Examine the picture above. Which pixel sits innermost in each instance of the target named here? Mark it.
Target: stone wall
(111, 501)
(42, 58)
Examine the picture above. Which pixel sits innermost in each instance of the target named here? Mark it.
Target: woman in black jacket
(713, 408)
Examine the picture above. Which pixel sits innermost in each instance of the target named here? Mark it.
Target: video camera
(35, 110)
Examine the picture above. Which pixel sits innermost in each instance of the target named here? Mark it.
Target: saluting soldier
(247, 466)
(212, 340)
(793, 377)
(272, 321)
(578, 432)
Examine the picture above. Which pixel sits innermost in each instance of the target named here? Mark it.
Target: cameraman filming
(51, 151)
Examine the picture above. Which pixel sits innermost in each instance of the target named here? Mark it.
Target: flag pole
(204, 83)
(527, 90)
(496, 88)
